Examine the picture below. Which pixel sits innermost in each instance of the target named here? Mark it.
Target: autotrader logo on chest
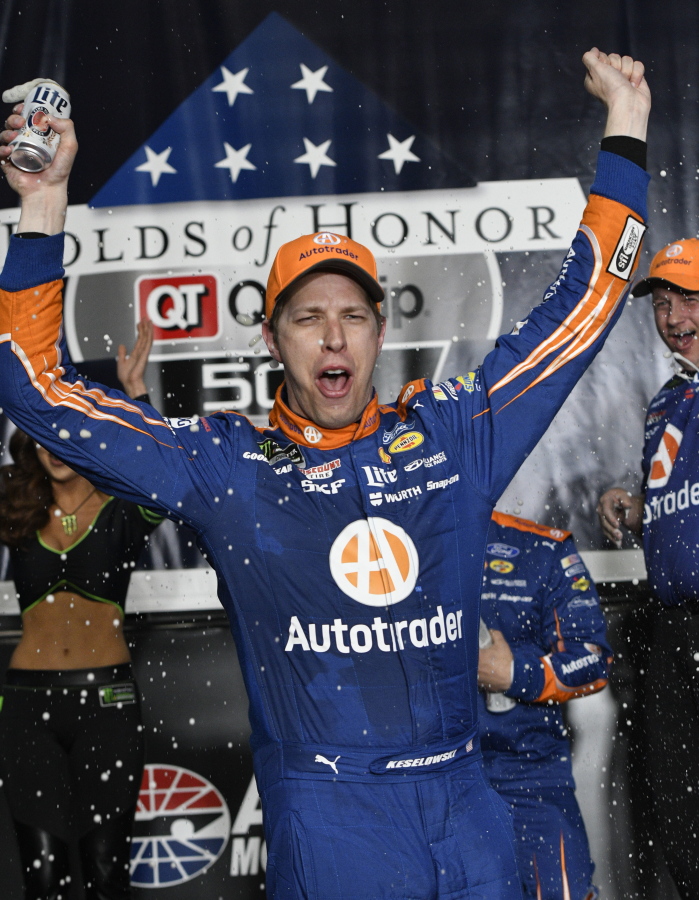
(374, 562)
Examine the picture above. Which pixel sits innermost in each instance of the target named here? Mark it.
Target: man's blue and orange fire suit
(538, 592)
(349, 563)
(671, 661)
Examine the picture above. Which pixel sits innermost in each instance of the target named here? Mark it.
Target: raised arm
(619, 83)
(125, 448)
(509, 403)
(43, 195)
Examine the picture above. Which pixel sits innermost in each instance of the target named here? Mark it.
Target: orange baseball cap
(324, 251)
(677, 264)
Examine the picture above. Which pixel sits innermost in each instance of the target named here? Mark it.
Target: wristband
(630, 148)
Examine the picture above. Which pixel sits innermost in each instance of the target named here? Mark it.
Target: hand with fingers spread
(619, 82)
(131, 367)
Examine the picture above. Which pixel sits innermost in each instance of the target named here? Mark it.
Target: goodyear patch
(582, 584)
(501, 565)
(406, 442)
(117, 694)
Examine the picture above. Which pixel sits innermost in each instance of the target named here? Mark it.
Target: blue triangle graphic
(274, 118)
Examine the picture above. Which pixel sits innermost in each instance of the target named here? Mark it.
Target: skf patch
(501, 565)
(582, 584)
(624, 256)
(406, 442)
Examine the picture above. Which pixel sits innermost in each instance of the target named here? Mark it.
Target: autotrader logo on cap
(326, 237)
(674, 250)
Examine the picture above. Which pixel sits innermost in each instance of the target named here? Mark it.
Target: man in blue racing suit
(348, 537)
(548, 645)
(666, 513)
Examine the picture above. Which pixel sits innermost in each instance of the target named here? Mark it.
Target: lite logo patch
(374, 562)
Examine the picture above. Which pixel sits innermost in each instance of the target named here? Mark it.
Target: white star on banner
(157, 165)
(399, 152)
(312, 82)
(315, 156)
(233, 85)
(235, 161)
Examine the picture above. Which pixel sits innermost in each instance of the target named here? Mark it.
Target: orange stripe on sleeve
(555, 534)
(558, 692)
(590, 317)
(35, 338)
(561, 644)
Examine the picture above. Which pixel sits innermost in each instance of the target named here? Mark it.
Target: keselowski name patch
(434, 760)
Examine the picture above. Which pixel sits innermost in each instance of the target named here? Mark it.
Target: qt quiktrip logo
(181, 307)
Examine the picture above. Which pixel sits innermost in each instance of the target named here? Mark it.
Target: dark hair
(286, 295)
(26, 494)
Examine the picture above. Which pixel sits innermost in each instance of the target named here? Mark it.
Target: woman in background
(71, 738)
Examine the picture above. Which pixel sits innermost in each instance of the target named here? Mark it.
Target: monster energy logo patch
(114, 694)
(274, 453)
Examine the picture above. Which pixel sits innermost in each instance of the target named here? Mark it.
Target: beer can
(35, 146)
(494, 702)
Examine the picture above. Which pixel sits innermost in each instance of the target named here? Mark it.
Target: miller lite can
(35, 146)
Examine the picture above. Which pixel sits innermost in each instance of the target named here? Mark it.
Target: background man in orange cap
(666, 514)
(348, 537)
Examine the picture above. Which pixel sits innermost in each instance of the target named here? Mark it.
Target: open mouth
(334, 382)
(682, 340)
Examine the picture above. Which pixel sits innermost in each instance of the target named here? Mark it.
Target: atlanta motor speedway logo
(182, 827)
